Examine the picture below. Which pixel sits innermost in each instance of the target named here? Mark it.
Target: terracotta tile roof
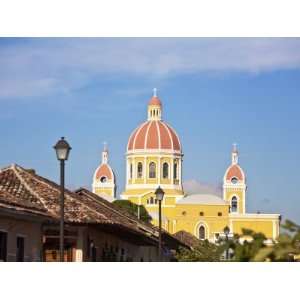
(24, 189)
(154, 134)
(186, 238)
(235, 171)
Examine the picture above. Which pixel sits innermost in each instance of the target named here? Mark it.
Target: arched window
(165, 170)
(175, 170)
(103, 179)
(202, 232)
(140, 170)
(234, 204)
(152, 170)
(131, 170)
(151, 200)
(234, 180)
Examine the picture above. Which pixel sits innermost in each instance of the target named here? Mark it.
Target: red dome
(235, 171)
(155, 101)
(154, 135)
(104, 171)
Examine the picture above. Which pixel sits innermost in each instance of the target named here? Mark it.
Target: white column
(179, 171)
(159, 170)
(145, 169)
(172, 170)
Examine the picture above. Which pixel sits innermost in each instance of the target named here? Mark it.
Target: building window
(165, 170)
(184, 213)
(130, 171)
(201, 213)
(202, 232)
(152, 170)
(175, 170)
(3, 246)
(234, 180)
(219, 214)
(140, 170)
(20, 248)
(234, 204)
(103, 179)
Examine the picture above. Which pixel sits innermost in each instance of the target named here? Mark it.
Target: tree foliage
(249, 246)
(133, 209)
(204, 251)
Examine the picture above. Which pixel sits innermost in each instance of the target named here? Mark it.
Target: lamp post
(62, 149)
(226, 232)
(159, 194)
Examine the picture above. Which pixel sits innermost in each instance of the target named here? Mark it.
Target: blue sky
(214, 91)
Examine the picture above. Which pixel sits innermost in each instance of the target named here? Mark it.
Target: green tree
(132, 209)
(287, 247)
(203, 251)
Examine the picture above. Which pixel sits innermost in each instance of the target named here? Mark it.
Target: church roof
(105, 170)
(154, 135)
(203, 199)
(155, 101)
(234, 171)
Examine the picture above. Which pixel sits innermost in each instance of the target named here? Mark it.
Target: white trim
(254, 216)
(150, 152)
(242, 171)
(146, 135)
(159, 137)
(169, 133)
(176, 136)
(136, 186)
(137, 133)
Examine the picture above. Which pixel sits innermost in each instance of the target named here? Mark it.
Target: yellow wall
(106, 191)
(230, 192)
(264, 226)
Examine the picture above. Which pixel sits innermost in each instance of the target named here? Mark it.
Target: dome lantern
(154, 107)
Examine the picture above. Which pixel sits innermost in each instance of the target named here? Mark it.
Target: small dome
(155, 101)
(154, 135)
(235, 171)
(104, 171)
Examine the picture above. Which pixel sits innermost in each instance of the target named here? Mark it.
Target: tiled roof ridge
(18, 207)
(109, 207)
(15, 168)
(132, 219)
(67, 192)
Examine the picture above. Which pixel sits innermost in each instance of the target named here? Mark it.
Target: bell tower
(104, 183)
(234, 185)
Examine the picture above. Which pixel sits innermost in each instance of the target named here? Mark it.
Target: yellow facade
(204, 216)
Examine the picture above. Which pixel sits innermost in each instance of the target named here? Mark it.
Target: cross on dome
(105, 153)
(234, 154)
(155, 92)
(104, 146)
(234, 147)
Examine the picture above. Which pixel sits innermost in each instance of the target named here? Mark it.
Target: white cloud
(43, 66)
(194, 186)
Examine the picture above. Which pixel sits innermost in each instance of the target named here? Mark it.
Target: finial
(234, 147)
(104, 146)
(155, 92)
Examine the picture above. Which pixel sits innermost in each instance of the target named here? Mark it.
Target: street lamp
(62, 149)
(159, 194)
(226, 232)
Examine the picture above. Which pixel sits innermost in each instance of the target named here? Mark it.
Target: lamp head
(62, 149)
(159, 193)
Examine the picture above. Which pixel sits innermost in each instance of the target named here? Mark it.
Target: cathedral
(154, 157)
